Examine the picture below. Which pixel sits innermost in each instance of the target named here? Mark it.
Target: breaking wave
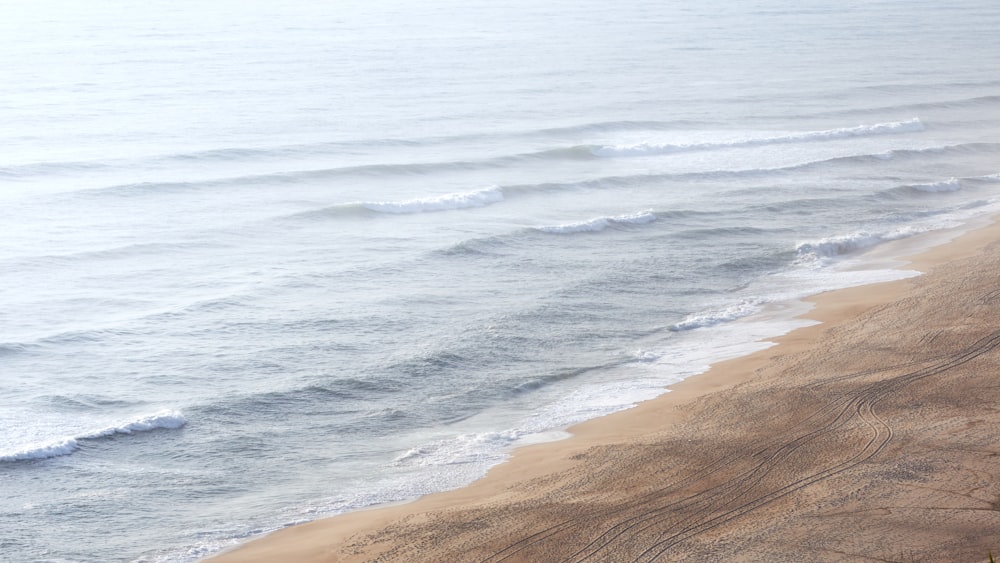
(950, 185)
(600, 223)
(834, 246)
(447, 202)
(166, 419)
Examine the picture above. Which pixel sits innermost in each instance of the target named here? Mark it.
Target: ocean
(266, 262)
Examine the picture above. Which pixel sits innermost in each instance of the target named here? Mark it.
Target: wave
(580, 152)
(319, 148)
(912, 190)
(909, 108)
(613, 126)
(447, 202)
(624, 181)
(305, 150)
(831, 247)
(164, 419)
(646, 149)
(950, 185)
(494, 194)
(600, 223)
(894, 154)
(742, 309)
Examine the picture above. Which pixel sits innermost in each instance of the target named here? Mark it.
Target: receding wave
(165, 419)
(600, 223)
(834, 246)
(644, 149)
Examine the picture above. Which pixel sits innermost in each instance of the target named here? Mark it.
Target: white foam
(600, 223)
(744, 308)
(446, 202)
(473, 448)
(644, 149)
(65, 445)
(644, 356)
(834, 246)
(167, 419)
(41, 451)
(950, 185)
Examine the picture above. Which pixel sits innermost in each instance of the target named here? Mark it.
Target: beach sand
(874, 436)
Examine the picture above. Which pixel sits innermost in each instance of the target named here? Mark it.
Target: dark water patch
(330, 398)
(757, 264)
(89, 402)
(533, 384)
(13, 348)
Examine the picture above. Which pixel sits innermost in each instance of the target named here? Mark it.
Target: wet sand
(873, 436)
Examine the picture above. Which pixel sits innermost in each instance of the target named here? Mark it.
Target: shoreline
(535, 473)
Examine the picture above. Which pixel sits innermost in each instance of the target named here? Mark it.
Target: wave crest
(600, 223)
(165, 419)
(950, 185)
(446, 202)
(646, 149)
(831, 247)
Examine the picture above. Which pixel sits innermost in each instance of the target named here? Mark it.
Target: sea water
(262, 262)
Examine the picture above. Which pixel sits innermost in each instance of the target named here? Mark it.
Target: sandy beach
(872, 436)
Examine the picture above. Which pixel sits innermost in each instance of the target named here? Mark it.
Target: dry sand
(870, 437)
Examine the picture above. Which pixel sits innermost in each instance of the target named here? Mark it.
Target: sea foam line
(643, 149)
(600, 223)
(167, 419)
